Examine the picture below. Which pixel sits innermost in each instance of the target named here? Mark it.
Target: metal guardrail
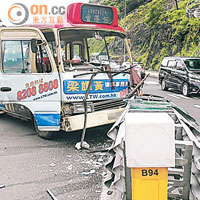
(179, 177)
(184, 178)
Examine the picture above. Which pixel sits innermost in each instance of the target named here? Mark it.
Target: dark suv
(182, 73)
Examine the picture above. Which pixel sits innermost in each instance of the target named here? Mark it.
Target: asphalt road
(29, 165)
(190, 104)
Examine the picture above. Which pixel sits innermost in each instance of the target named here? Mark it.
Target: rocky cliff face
(158, 29)
(120, 5)
(131, 5)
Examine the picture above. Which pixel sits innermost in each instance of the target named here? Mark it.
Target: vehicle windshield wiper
(129, 95)
(104, 71)
(100, 72)
(123, 71)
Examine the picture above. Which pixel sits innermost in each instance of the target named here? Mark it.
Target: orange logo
(18, 14)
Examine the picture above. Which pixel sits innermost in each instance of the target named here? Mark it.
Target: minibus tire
(163, 85)
(47, 135)
(2, 112)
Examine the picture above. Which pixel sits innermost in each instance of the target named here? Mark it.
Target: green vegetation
(120, 5)
(154, 14)
(158, 29)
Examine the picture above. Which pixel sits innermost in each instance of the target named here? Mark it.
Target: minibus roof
(76, 17)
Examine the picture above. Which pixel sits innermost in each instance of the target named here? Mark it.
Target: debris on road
(104, 174)
(97, 164)
(2, 186)
(69, 167)
(90, 172)
(52, 164)
(109, 192)
(99, 151)
(51, 194)
(100, 160)
(84, 145)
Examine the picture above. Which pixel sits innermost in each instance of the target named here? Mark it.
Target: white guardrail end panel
(149, 140)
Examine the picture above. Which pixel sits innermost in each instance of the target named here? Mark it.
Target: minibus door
(29, 80)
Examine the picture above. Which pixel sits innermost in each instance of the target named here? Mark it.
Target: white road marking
(179, 95)
(198, 106)
(151, 82)
(173, 95)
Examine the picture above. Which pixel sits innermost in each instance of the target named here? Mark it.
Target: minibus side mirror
(34, 47)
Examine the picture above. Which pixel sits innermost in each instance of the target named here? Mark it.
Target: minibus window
(77, 52)
(43, 64)
(12, 57)
(109, 50)
(90, 48)
(18, 58)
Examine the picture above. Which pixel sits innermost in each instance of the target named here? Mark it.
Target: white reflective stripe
(49, 128)
(46, 112)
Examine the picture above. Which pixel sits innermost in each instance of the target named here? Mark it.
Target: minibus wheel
(185, 89)
(163, 85)
(2, 112)
(48, 135)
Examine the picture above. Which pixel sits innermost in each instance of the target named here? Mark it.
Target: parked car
(182, 73)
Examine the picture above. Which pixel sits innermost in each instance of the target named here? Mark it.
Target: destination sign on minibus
(96, 14)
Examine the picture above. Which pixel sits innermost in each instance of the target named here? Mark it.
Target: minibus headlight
(79, 108)
(76, 108)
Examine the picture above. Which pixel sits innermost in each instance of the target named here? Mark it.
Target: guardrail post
(150, 150)
(127, 178)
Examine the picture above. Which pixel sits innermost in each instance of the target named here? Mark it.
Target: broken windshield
(91, 49)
